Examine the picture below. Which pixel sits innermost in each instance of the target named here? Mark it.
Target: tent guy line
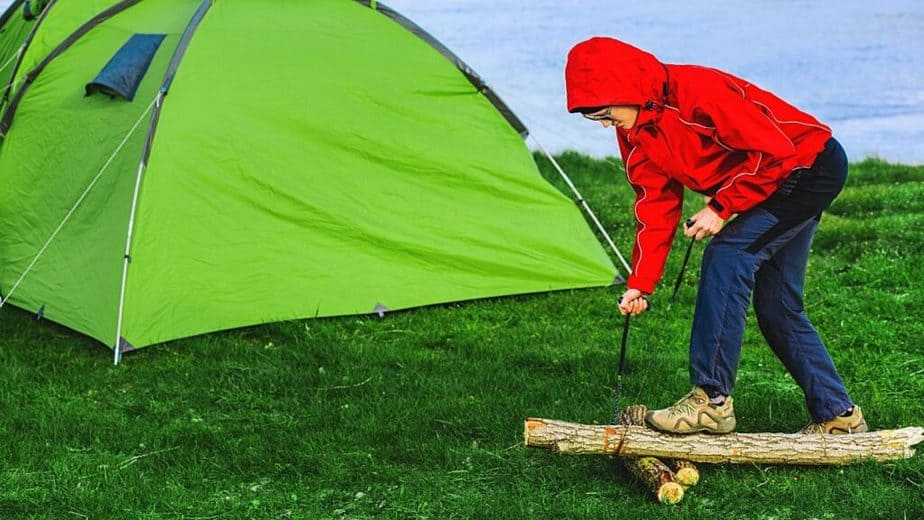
(13, 58)
(583, 203)
(77, 204)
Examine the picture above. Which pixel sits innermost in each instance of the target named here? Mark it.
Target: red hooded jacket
(697, 127)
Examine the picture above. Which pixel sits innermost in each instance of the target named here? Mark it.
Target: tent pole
(13, 81)
(117, 356)
(583, 203)
(158, 102)
(125, 261)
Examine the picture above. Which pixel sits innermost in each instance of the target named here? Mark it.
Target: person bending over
(756, 157)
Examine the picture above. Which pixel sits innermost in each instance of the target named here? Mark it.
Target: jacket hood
(605, 71)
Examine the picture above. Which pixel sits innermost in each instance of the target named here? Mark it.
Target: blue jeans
(764, 252)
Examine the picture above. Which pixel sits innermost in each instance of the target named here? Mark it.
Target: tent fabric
(469, 73)
(310, 159)
(58, 141)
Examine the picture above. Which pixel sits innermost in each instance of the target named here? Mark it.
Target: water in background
(856, 65)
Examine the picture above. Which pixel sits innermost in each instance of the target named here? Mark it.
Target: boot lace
(685, 406)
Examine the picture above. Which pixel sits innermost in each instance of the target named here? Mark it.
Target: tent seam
(473, 77)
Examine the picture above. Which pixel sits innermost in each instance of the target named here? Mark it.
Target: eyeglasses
(602, 115)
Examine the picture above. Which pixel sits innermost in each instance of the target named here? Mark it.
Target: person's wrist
(718, 208)
(643, 285)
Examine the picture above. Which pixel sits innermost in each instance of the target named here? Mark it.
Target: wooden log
(736, 448)
(685, 471)
(657, 477)
(649, 470)
(633, 415)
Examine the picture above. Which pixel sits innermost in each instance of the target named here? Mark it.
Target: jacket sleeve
(741, 125)
(658, 206)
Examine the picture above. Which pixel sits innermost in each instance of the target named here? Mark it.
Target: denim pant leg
(790, 334)
(726, 281)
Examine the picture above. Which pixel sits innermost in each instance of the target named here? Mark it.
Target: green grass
(420, 415)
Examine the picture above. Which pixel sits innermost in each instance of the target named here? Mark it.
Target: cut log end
(533, 430)
(670, 493)
(688, 477)
(685, 471)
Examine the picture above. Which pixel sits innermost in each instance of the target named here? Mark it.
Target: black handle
(622, 346)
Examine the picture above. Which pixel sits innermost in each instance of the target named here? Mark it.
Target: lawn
(420, 414)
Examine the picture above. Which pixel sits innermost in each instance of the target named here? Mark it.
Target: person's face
(620, 116)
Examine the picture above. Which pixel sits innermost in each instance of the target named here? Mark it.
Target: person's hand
(633, 302)
(704, 224)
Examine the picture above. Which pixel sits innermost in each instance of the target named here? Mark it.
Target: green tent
(174, 167)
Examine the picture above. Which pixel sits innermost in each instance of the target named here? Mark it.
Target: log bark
(633, 415)
(736, 448)
(649, 470)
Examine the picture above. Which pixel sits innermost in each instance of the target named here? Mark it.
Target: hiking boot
(694, 414)
(853, 423)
